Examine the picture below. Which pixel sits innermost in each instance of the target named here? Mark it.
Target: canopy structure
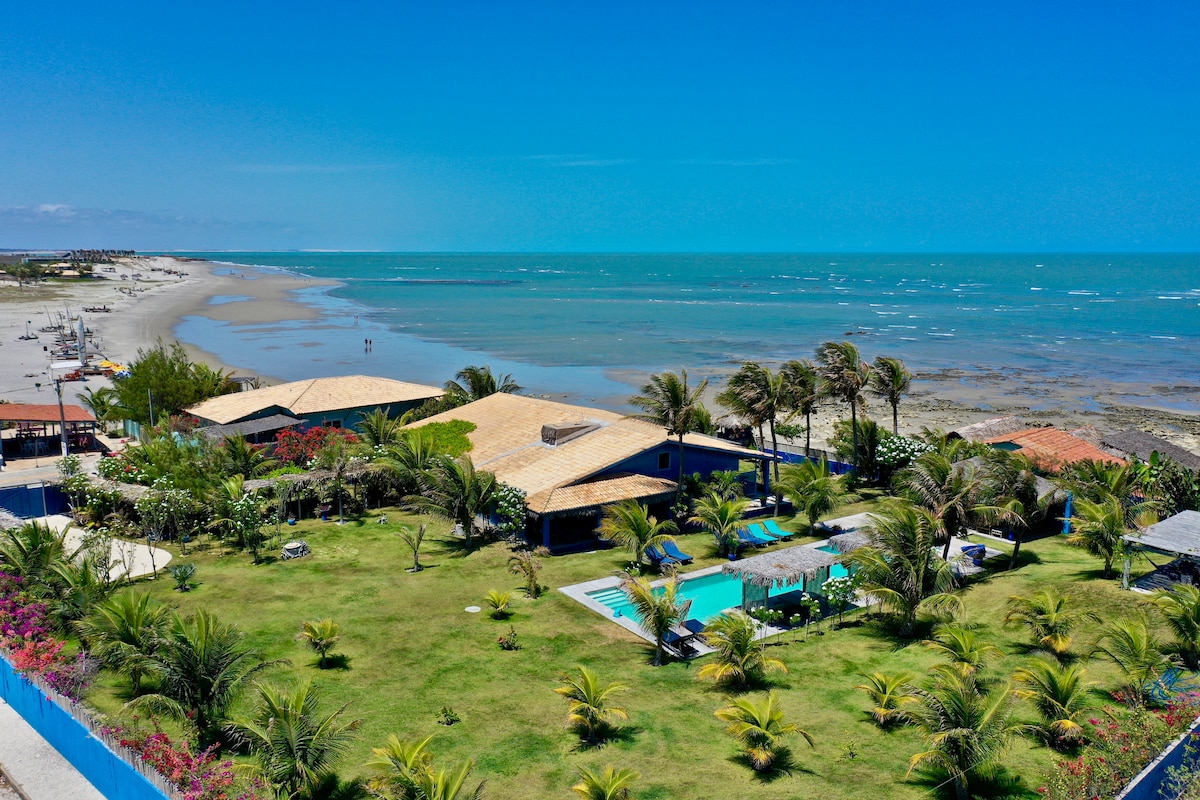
(32, 437)
(252, 429)
(782, 568)
(1178, 535)
(848, 542)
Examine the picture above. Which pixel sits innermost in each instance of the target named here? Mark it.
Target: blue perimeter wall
(108, 772)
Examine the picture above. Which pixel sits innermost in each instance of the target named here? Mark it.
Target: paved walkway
(35, 768)
(128, 559)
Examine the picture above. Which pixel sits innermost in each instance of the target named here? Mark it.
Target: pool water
(837, 570)
(710, 595)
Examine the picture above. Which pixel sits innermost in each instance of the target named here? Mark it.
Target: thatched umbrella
(782, 568)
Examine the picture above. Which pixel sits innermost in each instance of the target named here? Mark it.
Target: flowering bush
(198, 776)
(298, 449)
(116, 467)
(509, 640)
(510, 509)
(897, 452)
(25, 635)
(1122, 743)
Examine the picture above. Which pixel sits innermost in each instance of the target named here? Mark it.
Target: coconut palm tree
(1180, 607)
(947, 489)
(30, 552)
(657, 611)
(76, 587)
(1061, 696)
(844, 376)
(667, 400)
(528, 564)
(890, 380)
(101, 402)
(803, 386)
(899, 567)
(966, 729)
(590, 713)
(813, 489)
(408, 459)
(961, 644)
(1049, 618)
(453, 489)
(628, 524)
(767, 397)
(123, 633)
(721, 516)
(1098, 527)
(202, 666)
(243, 458)
(295, 745)
(322, 636)
(1134, 647)
(759, 726)
(398, 764)
(477, 382)
(611, 784)
(889, 694)
(740, 658)
(441, 783)
(379, 428)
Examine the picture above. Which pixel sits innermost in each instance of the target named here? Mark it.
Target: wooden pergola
(38, 426)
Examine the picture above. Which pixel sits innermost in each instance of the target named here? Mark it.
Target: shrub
(509, 640)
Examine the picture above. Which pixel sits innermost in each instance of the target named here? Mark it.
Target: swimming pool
(710, 595)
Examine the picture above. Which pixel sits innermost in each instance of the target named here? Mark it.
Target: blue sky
(601, 126)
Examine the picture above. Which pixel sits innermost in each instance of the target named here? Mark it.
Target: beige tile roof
(507, 441)
(600, 492)
(313, 396)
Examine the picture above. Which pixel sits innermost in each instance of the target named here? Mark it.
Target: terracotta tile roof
(313, 396)
(507, 441)
(1051, 449)
(32, 412)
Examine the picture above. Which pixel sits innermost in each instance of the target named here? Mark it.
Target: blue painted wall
(109, 773)
(705, 462)
(36, 502)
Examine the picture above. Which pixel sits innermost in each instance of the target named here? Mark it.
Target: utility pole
(150, 397)
(62, 417)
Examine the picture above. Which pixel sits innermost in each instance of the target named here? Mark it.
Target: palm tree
(803, 386)
(813, 489)
(628, 524)
(101, 402)
(441, 783)
(1060, 695)
(759, 727)
(667, 400)
(202, 666)
(295, 745)
(740, 658)
(30, 553)
(1133, 646)
(890, 380)
(413, 540)
(334, 457)
(499, 601)
(1098, 528)
(765, 396)
(379, 428)
(961, 644)
(844, 376)
(123, 633)
(1047, 615)
(76, 587)
(243, 458)
(949, 490)
(398, 764)
(657, 611)
(407, 460)
(590, 713)
(722, 516)
(528, 565)
(475, 383)
(612, 784)
(967, 729)
(889, 694)
(322, 636)
(899, 567)
(1180, 606)
(455, 490)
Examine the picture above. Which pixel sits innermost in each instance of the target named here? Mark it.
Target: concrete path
(129, 559)
(37, 770)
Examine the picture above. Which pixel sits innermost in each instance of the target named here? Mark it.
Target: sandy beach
(244, 296)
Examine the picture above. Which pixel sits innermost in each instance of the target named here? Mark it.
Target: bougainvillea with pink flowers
(25, 636)
(197, 775)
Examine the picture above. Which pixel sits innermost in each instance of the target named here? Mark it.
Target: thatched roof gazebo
(800, 567)
(849, 542)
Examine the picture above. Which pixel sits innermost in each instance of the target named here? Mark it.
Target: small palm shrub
(182, 574)
(890, 695)
(321, 636)
(499, 603)
(759, 727)
(590, 713)
(611, 784)
(741, 659)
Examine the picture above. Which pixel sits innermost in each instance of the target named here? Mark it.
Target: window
(664, 460)
(332, 423)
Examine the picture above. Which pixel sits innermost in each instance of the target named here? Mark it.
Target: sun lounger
(658, 559)
(672, 550)
(756, 529)
(695, 626)
(681, 644)
(776, 531)
(745, 537)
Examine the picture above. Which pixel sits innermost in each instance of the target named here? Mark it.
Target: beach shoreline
(218, 309)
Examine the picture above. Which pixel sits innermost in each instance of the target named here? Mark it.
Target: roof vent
(562, 433)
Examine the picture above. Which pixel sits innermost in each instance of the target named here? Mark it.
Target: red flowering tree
(298, 449)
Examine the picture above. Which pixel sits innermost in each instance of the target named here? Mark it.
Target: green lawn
(411, 649)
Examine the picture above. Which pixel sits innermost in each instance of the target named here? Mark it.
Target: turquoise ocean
(583, 325)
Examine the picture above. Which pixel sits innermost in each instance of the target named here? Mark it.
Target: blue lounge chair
(681, 643)
(672, 550)
(745, 537)
(695, 626)
(776, 531)
(659, 559)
